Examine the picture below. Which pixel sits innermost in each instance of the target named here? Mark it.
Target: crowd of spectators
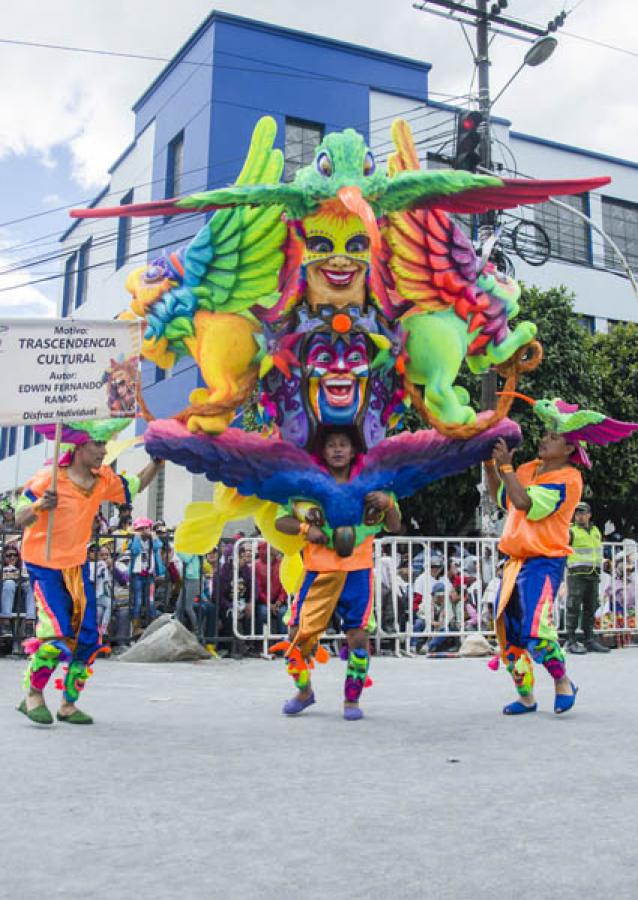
(438, 590)
(431, 591)
(138, 575)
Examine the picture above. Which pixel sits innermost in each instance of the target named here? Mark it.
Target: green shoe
(40, 714)
(76, 718)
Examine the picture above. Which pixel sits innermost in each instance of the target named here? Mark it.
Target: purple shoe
(352, 713)
(295, 706)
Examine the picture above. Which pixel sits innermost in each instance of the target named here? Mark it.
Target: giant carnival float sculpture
(337, 299)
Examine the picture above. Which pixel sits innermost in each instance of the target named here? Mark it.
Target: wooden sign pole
(53, 487)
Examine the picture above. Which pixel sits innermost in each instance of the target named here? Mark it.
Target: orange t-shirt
(319, 558)
(74, 515)
(548, 536)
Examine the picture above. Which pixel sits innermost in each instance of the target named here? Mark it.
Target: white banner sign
(61, 370)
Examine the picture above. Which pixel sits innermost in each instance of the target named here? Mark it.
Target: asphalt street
(191, 784)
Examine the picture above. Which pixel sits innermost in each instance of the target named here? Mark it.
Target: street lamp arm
(605, 237)
(507, 84)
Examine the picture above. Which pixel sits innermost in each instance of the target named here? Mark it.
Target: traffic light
(468, 140)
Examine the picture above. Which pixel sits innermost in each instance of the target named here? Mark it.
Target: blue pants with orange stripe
(66, 627)
(530, 631)
(350, 594)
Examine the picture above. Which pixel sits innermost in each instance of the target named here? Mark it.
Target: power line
(578, 37)
(596, 43)
(292, 72)
(108, 238)
(429, 111)
(31, 216)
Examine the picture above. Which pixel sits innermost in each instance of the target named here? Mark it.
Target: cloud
(18, 298)
(23, 300)
(87, 100)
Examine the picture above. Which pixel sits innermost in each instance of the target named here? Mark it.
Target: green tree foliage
(613, 481)
(568, 369)
(449, 506)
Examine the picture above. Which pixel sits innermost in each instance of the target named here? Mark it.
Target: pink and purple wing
(408, 462)
(268, 468)
(609, 431)
(513, 192)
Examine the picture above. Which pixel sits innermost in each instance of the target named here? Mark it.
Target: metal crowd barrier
(405, 573)
(406, 570)
(166, 595)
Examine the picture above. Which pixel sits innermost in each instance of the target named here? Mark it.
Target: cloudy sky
(66, 116)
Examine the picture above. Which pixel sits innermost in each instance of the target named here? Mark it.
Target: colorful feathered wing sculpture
(200, 301)
(276, 470)
(244, 268)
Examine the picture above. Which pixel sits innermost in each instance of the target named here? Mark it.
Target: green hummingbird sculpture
(344, 167)
(578, 426)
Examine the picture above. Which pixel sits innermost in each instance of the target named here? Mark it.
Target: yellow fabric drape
(510, 574)
(75, 586)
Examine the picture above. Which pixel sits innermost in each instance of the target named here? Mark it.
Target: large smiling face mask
(337, 372)
(336, 259)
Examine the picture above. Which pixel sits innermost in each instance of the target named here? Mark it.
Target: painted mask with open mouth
(337, 377)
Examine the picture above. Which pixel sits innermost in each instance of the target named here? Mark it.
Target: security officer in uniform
(583, 581)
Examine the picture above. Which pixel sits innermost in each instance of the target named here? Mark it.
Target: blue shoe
(295, 706)
(518, 709)
(352, 713)
(564, 702)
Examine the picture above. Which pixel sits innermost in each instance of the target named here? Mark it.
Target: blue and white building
(192, 128)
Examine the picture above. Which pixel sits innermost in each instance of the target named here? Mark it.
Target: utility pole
(483, 21)
(482, 62)
(486, 220)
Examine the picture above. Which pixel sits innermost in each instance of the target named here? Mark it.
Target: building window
(82, 273)
(620, 221)
(37, 438)
(301, 141)
(568, 234)
(27, 440)
(588, 323)
(4, 436)
(123, 234)
(70, 278)
(175, 166)
(13, 438)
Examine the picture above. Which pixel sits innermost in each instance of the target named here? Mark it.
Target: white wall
(603, 295)
(16, 469)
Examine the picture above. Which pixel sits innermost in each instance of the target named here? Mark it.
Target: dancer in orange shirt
(337, 578)
(540, 498)
(66, 629)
